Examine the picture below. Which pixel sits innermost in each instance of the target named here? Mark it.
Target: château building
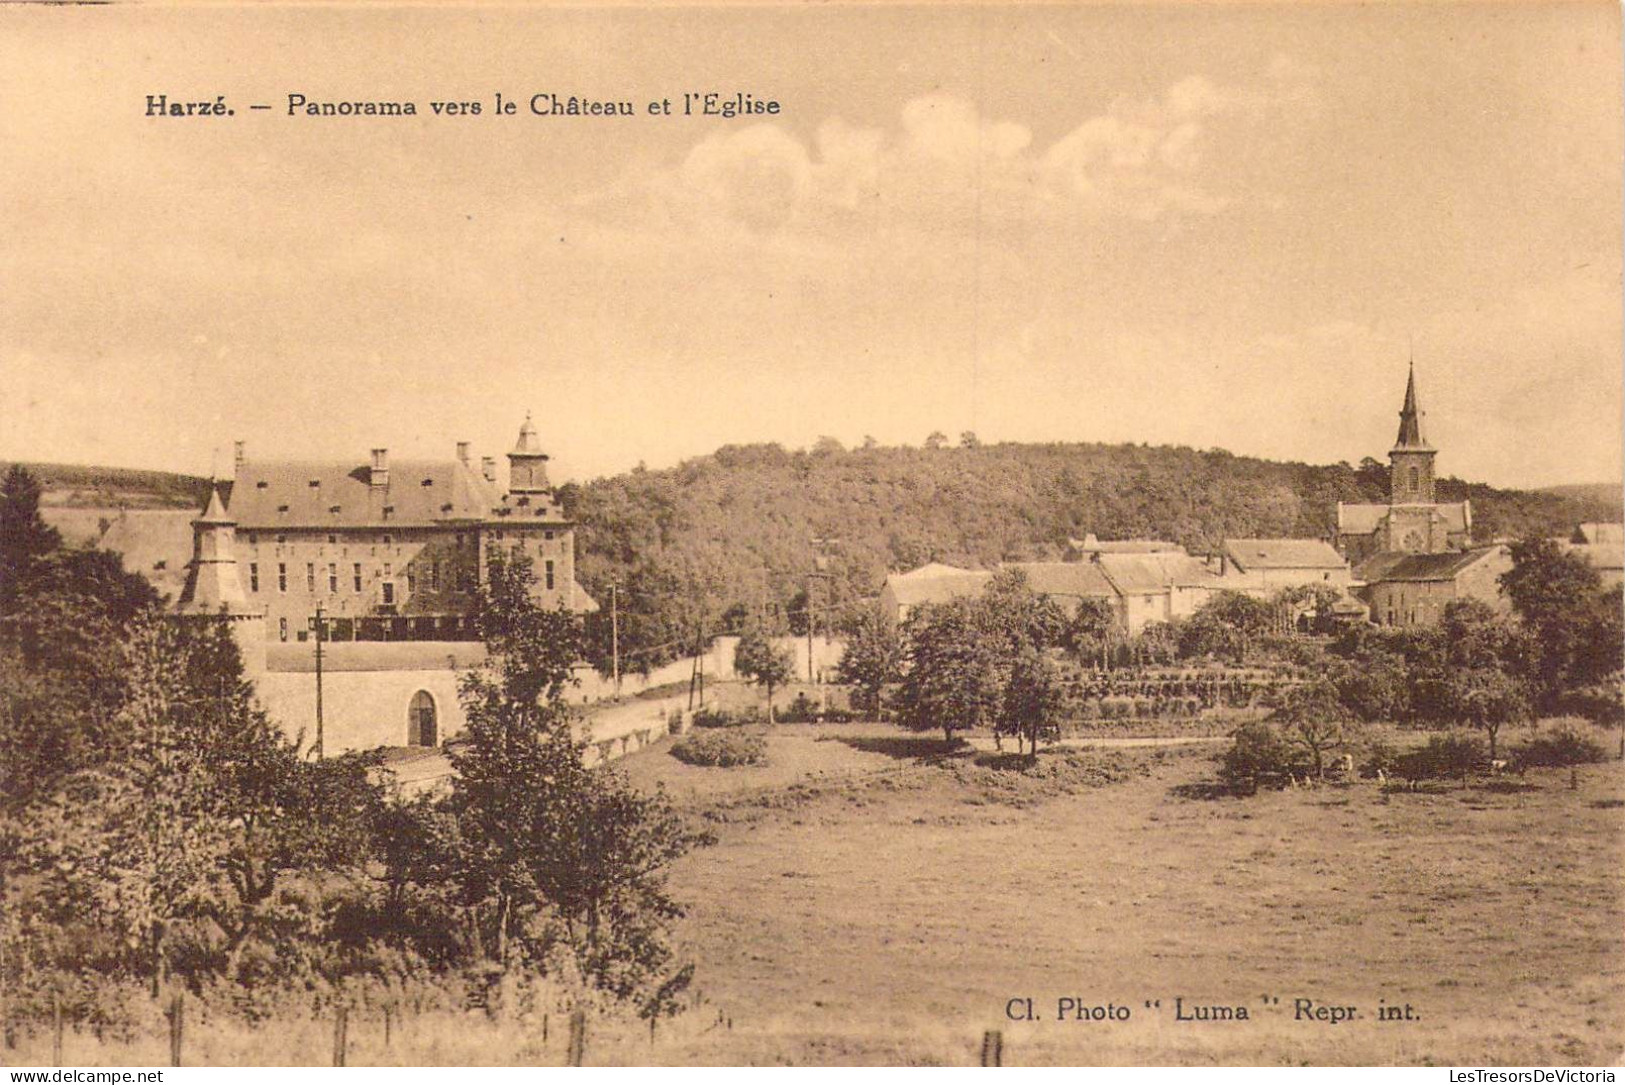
(394, 551)
(391, 557)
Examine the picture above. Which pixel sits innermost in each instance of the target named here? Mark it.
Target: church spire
(1410, 419)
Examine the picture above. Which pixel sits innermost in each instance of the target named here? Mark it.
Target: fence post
(56, 1029)
(389, 1014)
(341, 1026)
(651, 1031)
(578, 1037)
(992, 1048)
(544, 1030)
(177, 1018)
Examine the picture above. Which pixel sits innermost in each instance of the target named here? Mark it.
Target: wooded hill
(736, 528)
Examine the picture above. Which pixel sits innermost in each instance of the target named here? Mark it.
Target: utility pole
(615, 633)
(320, 625)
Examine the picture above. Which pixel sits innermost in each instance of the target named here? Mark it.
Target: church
(382, 563)
(1414, 555)
(1412, 521)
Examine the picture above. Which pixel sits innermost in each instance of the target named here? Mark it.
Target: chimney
(462, 452)
(239, 454)
(488, 468)
(379, 477)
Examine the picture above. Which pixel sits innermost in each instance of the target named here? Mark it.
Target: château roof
(527, 444)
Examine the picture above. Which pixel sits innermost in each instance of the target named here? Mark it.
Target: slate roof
(1249, 554)
(1391, 566)
(1364, 519)
(420, 493)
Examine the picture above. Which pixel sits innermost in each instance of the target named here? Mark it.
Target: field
(889, 911)
(873, 900)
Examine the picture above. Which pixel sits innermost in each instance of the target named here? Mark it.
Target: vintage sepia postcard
(974, 534)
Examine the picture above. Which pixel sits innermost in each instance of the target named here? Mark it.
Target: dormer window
(282, 508)
(315, 484)
(388, 511)
(428, 482)
(523, 501)
(262, 485)
(334, 509)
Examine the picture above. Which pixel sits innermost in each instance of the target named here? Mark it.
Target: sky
(1197, 224)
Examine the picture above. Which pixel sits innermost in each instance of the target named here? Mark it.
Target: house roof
(1067, 579)
(1089, 544)
(935, 584)
(1601, 556)
(156, 543)
(1392, 566)
(323, 495)
(1251, 554)
(1364, 519)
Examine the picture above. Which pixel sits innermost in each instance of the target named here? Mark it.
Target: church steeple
(1410, 419)
(1410, 480)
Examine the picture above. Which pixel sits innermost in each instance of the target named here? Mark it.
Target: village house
(1603, 547)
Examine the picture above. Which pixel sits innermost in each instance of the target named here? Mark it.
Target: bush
(719, 717)
(1568, 741)
(721, 749)
(1456, 754)
(1260, 755)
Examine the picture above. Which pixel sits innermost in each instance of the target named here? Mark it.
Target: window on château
(389, 593)
(282, 628)
(332, 577)
(1416, 480)
(434, 576)
(549, 574)
(358, 576)
(282, 579)
(254, 576)
(310, 577)
(411, 580)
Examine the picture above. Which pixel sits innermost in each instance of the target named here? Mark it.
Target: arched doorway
(422, 726)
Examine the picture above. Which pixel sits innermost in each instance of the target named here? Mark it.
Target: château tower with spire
(1413, 521)
(527, 463)
(214, 584)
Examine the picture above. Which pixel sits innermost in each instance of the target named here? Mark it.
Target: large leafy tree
(554, 855)
(872, 659)
(1556, 594)
(763, 663)
(1313, 717)
(954, 674)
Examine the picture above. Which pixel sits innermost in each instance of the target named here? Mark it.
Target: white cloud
(944, 161)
